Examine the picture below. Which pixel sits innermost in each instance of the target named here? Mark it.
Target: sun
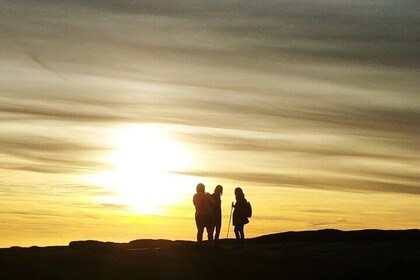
(145, 163)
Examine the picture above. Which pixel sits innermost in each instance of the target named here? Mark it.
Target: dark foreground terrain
(324, 254)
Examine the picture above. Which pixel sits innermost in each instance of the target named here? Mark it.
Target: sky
(111, 112)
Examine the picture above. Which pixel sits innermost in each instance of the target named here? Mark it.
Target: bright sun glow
(144, 163)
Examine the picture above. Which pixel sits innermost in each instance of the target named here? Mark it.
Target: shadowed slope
(324, 254)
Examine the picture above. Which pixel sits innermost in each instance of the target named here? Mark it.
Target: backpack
(248, 210)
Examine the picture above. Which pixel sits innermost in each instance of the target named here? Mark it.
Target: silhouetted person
(204, 217)
(240, 214)
(218, 191)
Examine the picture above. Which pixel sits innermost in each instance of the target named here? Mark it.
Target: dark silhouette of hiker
(240, 213)
(218, 191)
(204, 216)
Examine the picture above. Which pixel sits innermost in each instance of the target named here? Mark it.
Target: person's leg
(241, 231)
(217, 227)
(236, 230)
(217, 234)
(200, 231)
(210, 230)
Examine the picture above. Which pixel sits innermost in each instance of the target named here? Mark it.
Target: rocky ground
(324, 254)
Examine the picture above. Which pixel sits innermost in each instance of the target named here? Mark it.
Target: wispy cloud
(302, 94)
(328, 68)
(332, 182)
(50, 154)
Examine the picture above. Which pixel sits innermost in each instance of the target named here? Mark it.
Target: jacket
(203, 203)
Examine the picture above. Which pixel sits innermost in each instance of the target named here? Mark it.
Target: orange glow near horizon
(110, 115)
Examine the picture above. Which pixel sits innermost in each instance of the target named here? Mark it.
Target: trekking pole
(230, 218)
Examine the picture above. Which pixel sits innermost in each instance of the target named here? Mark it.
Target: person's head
(200, 188)
(239, 194)
(218, 189)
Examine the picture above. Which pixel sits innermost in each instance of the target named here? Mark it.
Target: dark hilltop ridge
(323, 254)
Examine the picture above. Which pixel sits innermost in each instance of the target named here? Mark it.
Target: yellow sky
(112, 112)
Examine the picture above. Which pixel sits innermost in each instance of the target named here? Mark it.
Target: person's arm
(210, 199)
(195, 200)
